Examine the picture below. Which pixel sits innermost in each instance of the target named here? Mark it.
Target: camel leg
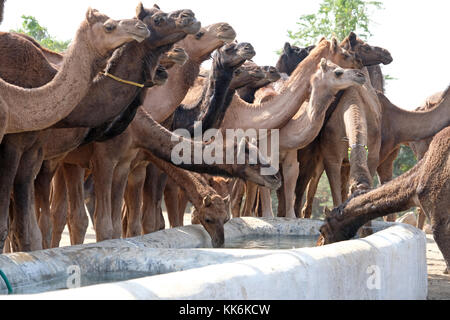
(251, 192)
(25, 212)
(58, 207)
(333, 171)
(266, 202)
(421, 220)
(385, 172)
(182, 204)
(103, 171)
(42, 186)
(118, 186)
(9, 161)
(290, 174)
(237, 195)
(281, 198)
(133, 199)
(311, 191)
(171, 200)
(153, 191)
(345, 181)
(89, 196)
(78, 220)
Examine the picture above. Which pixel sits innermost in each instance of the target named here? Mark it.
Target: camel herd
(95, 127)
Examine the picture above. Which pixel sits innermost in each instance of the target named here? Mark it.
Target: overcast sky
(416, 32)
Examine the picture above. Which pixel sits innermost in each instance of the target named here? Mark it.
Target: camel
(213, 211)
(427, 186)
(291, 132)
(143, 56)
(35, 108)
(355, 124)
(291, 57)
(248, 92)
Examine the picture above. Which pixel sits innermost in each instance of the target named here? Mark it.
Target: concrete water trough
(170, 264)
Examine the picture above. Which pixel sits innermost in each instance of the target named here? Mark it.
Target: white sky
(416, 32)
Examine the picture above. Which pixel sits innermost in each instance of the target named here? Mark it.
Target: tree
(405, 161)
(335, 18)
(31, 27)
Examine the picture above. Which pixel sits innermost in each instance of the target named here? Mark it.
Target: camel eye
(339, 73)
(199, 35)
(110, 27)
(208, 220)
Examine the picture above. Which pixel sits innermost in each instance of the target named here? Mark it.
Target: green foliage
(31, 27)
(405, 161)
(335, 18)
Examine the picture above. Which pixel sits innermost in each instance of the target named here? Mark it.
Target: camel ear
(207, 201)
(287, 47)
(140, 11)
(91, 15)
(327, 212)
(156, 6)
(353, 38)
(334, 45)
(323, 64)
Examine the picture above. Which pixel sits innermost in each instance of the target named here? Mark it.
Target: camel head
(369, 55)
(106, 34)
(340, 56)
(272, 74)
(174, 56)
(167, 28)
(291, 57)
(336, 78)
(200, 46)
(213, 214)
(247, 74)
(233, 55)
(333, 230)
(256, 167)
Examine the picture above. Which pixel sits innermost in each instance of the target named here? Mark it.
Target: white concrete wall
(339, 271)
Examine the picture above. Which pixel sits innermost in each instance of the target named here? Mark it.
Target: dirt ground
(438, 283)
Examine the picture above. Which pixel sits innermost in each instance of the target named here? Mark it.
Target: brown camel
(247, 93)
(141, 57)
(427, 185)
(35, 108)
(307, 123)
(355, 124)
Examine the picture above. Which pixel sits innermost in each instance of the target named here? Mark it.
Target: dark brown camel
(291, 58)
(247, 93)
(427, 185)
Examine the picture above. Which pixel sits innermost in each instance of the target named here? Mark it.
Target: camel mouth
(359, 78)
(258, 75)
(227, 36)
(193, 28)
(140, 37)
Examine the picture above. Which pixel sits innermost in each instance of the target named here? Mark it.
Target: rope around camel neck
(8, 284)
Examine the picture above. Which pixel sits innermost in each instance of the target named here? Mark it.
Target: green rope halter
(354, 147)
(8, 284)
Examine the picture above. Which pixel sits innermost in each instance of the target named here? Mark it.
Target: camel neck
(275, 113)
(414, 126)
(42, 107)
(395, 196)
(162, 101)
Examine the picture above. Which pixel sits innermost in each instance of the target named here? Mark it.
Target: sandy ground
(438, 283)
